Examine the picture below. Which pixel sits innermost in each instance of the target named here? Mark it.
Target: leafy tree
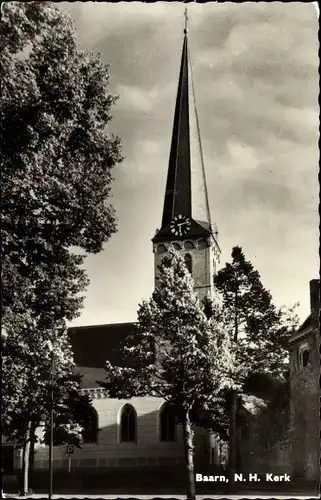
(28, 379)
(258, 331)
(177, 354)
(56, 159)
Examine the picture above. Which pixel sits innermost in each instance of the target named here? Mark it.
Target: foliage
(71, 411)
(259, 334)
(56, 156)
(27, 394)
(177, 354)
(260, 330)
(56, 161)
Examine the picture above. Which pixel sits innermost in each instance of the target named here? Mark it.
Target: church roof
(93, 345)
(186, 191)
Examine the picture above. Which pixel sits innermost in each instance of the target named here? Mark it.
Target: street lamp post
(51, 423)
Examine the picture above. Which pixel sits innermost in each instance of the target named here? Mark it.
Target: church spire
(186, 225)
(186, 191)
(178, 185)
(186, 19)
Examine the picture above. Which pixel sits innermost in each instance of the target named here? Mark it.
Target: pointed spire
(186, 20)
(186, 192)
(178, 185)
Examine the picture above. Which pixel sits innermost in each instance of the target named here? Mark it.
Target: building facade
(286, 439)
(305, 393)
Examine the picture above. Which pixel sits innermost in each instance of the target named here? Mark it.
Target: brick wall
(305, 393)
(305, 422)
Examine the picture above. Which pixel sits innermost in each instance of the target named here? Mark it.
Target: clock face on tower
(180, 225)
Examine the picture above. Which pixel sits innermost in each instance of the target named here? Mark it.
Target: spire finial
(186, 19)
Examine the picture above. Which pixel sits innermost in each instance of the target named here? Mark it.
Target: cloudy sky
(256, 83)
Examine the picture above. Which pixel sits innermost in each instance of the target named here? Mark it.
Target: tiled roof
(93, 345)
(307, 323)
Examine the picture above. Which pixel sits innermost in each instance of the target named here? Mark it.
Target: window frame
(302, 349)
(189, 245)
(133, 413)
(164, 437)
(161, 249)
(90, 432)
(189, 262)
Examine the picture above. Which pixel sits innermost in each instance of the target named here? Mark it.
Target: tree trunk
(25, 462)
(189, 456)
(233, 404)
(233, 439)
(32, 453)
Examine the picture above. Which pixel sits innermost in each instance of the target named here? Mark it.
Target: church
(142, 431)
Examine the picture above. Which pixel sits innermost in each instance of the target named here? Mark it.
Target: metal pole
(51, 428)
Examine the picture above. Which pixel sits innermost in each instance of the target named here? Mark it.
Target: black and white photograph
(160, 283)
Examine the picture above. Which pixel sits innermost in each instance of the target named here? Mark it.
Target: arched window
(167, 423)
(176, 246)
(128, 424)
(90, 432)
(160, 249)
(188, 262)
(202, 244)
(188, 245)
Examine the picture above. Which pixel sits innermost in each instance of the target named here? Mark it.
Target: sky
(255, 68)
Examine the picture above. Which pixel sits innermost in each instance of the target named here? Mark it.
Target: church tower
(186, 223)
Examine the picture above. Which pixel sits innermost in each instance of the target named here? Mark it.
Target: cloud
(137, 99)
(255, 67)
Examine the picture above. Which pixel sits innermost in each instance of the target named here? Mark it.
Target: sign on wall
(70, 449)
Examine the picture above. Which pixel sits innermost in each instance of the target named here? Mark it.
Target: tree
(57, 159)
(27, 395)
(177, 354)
(56, 155)
(259, 332)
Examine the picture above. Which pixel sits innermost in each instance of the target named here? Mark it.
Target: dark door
(7, 458)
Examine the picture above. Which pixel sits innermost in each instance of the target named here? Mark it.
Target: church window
(202, 244)
(128, 424)
(304, 355)
(176, 246)
(90, 432)
(167, 423)
(188, 262)
(188, 245)
(160, 249)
